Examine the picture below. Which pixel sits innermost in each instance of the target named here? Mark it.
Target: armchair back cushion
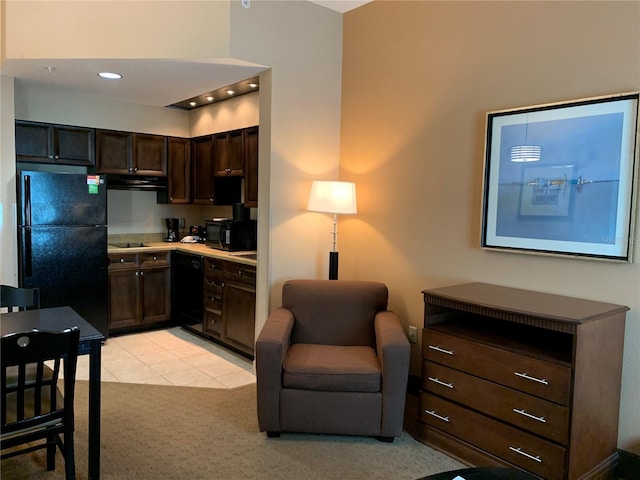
(327, 313)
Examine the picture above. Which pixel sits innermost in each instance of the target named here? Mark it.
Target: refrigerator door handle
(27, 200)
(27, 253)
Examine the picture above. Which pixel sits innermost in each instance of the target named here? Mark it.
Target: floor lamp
(333, 197)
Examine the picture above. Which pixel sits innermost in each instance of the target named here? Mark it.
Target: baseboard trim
(628, 466)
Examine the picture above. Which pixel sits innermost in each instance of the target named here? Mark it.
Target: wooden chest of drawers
(518, 378)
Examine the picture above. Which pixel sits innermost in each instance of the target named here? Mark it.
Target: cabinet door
(114, 152)
(228, 153)
(33, 142)
(74, 145)
(150, 155)
(156, 295)
(123, 298)
(239, 307)
(202, 161)
(47, 143)
(251, 167)
(179, 170)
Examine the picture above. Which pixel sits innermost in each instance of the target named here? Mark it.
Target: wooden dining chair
(37, 410)
(14, 298)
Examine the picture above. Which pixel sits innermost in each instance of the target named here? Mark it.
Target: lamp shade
(332, 197)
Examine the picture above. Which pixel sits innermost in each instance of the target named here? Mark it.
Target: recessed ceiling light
(193, 104)
(110, 75)
(253, 85)
(230, 92)
(209, 99)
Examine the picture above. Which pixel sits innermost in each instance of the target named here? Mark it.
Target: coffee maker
(173, 224)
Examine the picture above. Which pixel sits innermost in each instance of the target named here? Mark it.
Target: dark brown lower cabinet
(139, 289)
(229, 298)
(239, 305)
(522, 379)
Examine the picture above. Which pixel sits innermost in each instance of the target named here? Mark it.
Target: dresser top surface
(525, 302)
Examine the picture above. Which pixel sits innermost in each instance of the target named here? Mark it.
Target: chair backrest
(32, 399)
(334, 312)
(14, 298)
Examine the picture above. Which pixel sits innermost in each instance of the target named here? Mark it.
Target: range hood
(136, 182)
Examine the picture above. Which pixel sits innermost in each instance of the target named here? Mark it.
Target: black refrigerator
(62, 241)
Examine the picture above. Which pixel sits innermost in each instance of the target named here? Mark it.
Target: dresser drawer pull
(434, 414)
(522, 412)
(441, 350)
(533, 379)
(525, 454)
(440, 382)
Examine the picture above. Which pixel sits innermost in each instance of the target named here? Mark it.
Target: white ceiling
(145, 81)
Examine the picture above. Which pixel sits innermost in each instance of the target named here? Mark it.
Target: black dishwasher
(187, 282)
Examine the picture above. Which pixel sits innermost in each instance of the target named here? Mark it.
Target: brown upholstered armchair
(332, 360)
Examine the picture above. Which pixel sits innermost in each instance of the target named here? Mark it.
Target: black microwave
(228, 234)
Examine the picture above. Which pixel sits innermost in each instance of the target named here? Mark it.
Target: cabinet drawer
(527, 374)
(154, 259)
(527, 451)
(520, 409)
(213, 286)
(239, 272)
(212, 265)
(123, 261)
(212, 302)
(213, 323)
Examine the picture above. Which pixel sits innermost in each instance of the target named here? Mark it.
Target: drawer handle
(440, 382)
(525, 454)
(434, 414)
(441, 350)
(528, 415)
(533, 379)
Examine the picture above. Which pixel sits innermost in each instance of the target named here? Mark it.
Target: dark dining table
(57, 319)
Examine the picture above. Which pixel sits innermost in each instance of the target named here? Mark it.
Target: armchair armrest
(271, 348)
(394, 351)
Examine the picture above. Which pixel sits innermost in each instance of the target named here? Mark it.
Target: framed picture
(561, 179)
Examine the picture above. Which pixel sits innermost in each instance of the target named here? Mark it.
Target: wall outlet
(413, 334)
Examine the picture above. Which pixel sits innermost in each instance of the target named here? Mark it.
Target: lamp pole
(333, 254)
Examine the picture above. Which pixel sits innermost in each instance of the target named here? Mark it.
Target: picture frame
(560, 179)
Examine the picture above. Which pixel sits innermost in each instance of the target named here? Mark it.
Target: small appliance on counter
(173, 225)
(198, 232)
(231, 235)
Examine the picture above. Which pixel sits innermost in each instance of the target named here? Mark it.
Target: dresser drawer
(527, 451)
(534, 414)
(537, 377)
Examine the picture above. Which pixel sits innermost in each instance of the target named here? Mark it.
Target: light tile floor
(170, 357)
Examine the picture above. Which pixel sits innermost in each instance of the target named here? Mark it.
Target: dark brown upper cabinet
(203, 168)
(129, 153)
(251, 167)
(179, 185)
(228, 153)
(49, 143)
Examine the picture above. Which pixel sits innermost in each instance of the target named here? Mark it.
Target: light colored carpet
(158, 432)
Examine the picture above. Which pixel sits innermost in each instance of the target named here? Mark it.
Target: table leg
(95, 358)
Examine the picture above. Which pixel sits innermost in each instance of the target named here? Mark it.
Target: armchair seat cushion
(332, 368)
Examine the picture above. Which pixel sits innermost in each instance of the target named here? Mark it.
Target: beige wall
(418, 78)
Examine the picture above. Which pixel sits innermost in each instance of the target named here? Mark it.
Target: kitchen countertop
(195, 248)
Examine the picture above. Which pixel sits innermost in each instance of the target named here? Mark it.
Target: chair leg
(386, 439)
(273, 434)
(51, 453)
(69, 457)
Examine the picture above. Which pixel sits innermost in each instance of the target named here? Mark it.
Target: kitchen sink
(129, 245)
